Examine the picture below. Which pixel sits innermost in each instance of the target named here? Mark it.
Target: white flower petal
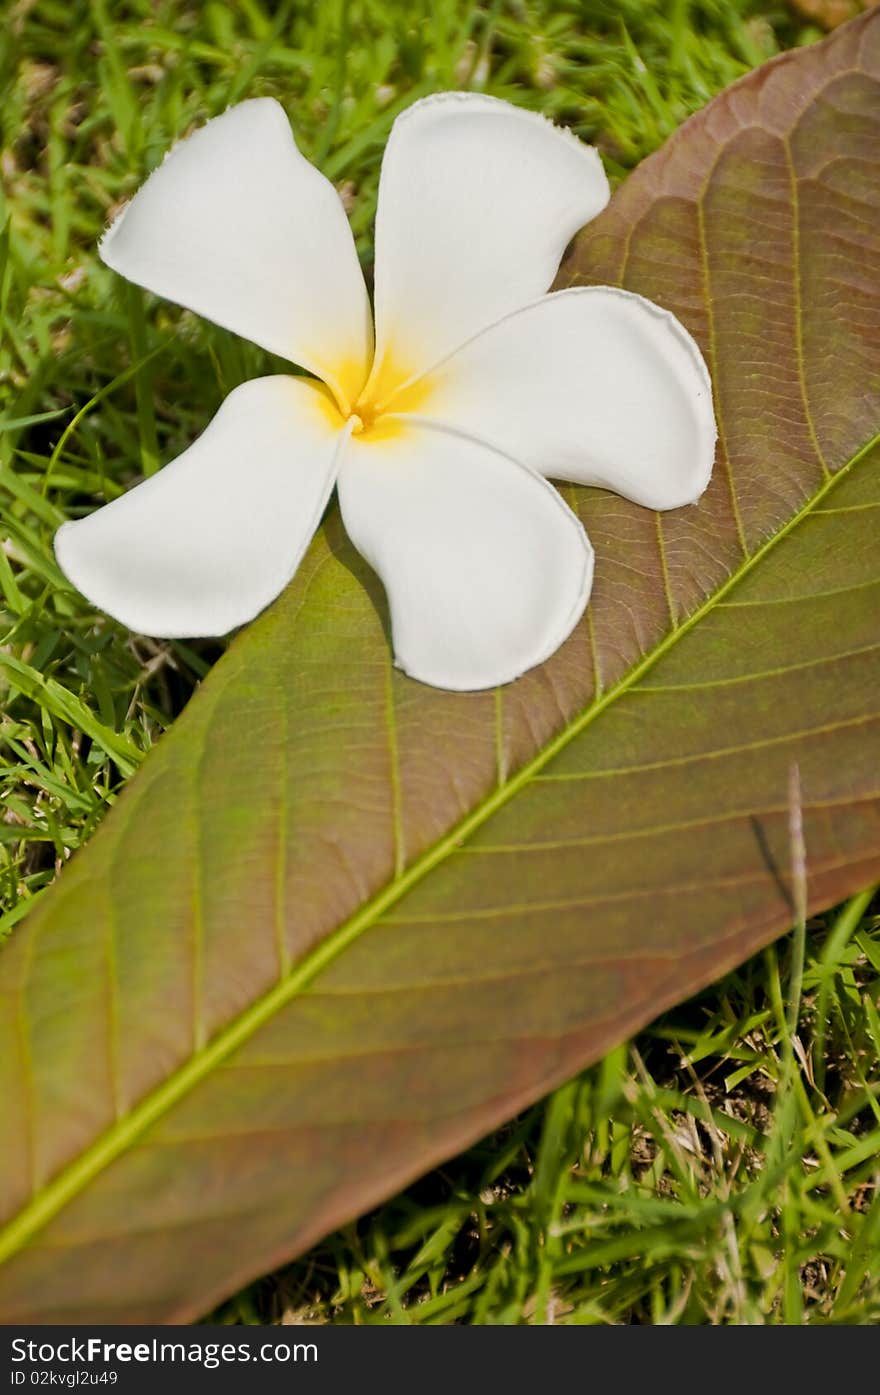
(487, 569)
(594, 385)
(477, 202)
(238, 226)
(211, 539)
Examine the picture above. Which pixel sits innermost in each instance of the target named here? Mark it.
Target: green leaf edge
(68, 1183)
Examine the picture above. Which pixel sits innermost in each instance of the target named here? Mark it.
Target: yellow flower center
(378, 414)
(364, 418)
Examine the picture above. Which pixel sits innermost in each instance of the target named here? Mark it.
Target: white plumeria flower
(441, 438)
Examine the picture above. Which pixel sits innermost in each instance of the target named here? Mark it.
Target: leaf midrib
(74, 1178)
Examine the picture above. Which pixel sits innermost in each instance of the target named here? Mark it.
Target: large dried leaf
(830, 13)
(341, 924)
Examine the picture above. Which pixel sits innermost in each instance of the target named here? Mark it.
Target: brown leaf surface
(830, 13)
(340, 924)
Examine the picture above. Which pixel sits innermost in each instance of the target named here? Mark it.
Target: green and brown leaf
(340, 924)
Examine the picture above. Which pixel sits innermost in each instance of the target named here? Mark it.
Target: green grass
(718, 1170)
